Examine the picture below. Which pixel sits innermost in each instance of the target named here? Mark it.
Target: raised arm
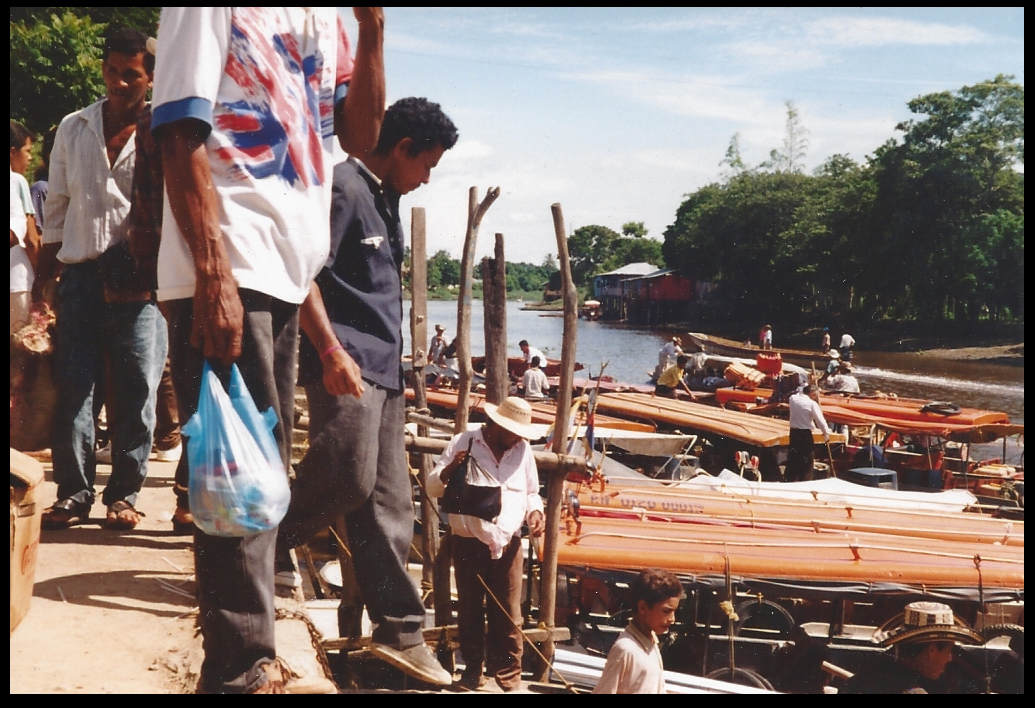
(218, 313)
(357, 119)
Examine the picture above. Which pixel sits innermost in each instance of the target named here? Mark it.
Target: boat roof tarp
(818, 589)
(743, 427)
(835, 490)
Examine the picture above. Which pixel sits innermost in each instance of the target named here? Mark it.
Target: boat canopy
(752, 430)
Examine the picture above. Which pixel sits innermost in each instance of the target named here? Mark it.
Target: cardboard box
(26, 510)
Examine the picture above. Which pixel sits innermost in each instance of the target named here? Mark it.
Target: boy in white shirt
(634, 663)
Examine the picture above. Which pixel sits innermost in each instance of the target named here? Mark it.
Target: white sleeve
(58, 196)
(193, 43)
(19, 225)
(436, 487)
(533, 502)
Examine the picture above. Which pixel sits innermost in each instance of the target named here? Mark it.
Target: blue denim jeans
(135, 339)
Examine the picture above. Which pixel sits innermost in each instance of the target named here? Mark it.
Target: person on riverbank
(805, 412)
(825, 345)
(25, 239)
(103, 309)
(634, 662)
(490, 551)
(919, 649)
(671, 379)
(247, 229)
(349, 365)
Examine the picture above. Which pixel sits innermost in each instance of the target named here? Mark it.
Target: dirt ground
(112, 612)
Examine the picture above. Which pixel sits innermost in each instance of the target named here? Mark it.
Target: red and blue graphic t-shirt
(265, 80)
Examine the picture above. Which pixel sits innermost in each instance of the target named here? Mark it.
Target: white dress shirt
(519, 481)
(88, 203)
(805, 412)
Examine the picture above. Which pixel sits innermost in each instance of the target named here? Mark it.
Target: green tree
(56, 58)
(588, 248)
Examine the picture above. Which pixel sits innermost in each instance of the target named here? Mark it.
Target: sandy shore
(1012, 354)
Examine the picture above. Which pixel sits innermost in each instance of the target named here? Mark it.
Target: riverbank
(1008, 354)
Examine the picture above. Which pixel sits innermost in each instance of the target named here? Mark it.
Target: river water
(631, 354)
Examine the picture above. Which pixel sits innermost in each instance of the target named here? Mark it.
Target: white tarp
(837, 491)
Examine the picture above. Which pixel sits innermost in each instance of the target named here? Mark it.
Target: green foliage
(56, 58)
(929, 227)
(597, 249)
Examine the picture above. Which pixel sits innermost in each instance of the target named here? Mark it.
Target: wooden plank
(432, 635)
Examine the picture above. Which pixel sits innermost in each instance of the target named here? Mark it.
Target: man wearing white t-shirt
(245, 106)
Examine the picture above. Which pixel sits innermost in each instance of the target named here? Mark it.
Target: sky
(617, 114)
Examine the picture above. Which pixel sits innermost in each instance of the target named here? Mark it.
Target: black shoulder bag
(472, 491)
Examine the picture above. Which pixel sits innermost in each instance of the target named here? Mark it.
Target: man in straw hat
(920, 647)
(437, 349)
(491, 550)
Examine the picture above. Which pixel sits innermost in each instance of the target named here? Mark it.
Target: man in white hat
(920, 647)
(491, 550)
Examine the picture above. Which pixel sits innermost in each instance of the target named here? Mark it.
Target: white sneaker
(417, 661)
(170, 455)
(104, 455)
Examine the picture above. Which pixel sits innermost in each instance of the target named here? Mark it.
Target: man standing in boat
(805, 412)
(530, 352)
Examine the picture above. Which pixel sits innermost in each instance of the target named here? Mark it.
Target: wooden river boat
(720, 346)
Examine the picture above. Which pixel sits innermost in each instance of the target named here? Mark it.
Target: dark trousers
(500, 647)
(167, 414)
(235, 575)
(799, 458)
(356, 465)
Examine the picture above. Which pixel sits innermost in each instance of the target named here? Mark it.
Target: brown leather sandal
(65, 513)
(122, 516)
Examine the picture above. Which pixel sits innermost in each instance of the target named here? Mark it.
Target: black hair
(130, 42)
(808, 390)
(654, 585)
(681, 361)
(535, 362)
(421, 121)
(523, 343)
(19, 135)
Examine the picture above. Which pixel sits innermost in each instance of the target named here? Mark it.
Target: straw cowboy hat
(515, 415)
(440, 328)
(924, 622)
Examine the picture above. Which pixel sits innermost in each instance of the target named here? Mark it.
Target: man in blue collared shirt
(349, 364)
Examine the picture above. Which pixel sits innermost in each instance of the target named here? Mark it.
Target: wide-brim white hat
(515, 415)
(834, 354)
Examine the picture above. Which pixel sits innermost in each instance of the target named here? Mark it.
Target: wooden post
(350, 611)
(475, 212)
(419, 342)
(494, 300)
(555, 486)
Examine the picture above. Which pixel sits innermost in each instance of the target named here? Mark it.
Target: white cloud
(878, 31)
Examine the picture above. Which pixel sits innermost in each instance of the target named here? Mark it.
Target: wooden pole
(555, 486)
(419, 340)
(494, 300)
(475, 212)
